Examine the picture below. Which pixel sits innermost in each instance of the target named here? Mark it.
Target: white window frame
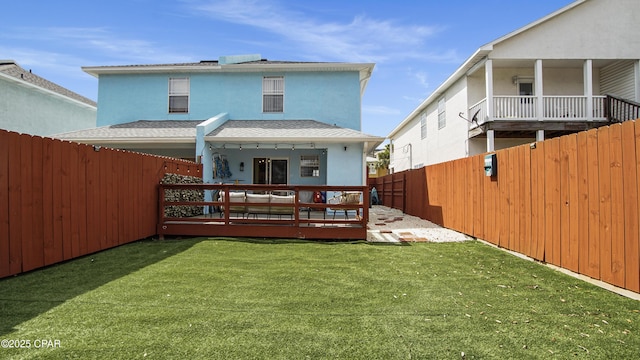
(309, 163)
(271, 89)
(181, 92)
(423, 126)
(442, 112)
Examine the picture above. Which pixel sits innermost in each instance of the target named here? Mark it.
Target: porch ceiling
(548, 63)
(525, 129)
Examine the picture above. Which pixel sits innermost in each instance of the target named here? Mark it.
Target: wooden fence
(571, 201)
(61, 200)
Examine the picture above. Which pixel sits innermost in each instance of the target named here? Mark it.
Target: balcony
(519, 114)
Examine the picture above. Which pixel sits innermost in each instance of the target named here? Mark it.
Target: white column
(540, 135)
(491, 143)
(588, 87)
(537, 88)
(488, 80)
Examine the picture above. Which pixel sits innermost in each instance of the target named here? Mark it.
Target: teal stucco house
(248, 120)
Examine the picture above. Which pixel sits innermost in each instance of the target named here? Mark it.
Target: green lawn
(246, 299)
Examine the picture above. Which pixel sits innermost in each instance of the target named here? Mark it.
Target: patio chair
(345, 198)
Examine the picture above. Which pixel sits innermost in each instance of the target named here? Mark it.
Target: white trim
(187, 94)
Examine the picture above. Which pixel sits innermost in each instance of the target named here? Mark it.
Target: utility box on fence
(490, 165)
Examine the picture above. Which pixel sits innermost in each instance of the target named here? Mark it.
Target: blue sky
(416, 45)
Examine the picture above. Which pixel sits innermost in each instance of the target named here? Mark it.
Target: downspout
(410, 154)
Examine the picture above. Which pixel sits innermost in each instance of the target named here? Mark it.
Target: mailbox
(490, 165)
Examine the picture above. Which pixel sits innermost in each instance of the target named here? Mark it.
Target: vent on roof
(237, 59)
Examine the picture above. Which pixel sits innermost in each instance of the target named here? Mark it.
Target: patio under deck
(287, 213)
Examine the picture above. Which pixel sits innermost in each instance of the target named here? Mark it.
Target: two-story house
(543, 80)
(31, 104)
(247, 119)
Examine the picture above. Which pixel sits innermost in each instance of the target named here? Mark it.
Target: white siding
(440, 145)
(618, 79)
(595, 29)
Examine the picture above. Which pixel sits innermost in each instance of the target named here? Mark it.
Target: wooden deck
(302, 218)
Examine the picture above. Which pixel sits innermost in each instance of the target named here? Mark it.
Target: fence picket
(593, 174)
(81, 206)
(631, 229)
(56, 252)
(75, 207)
(617, 205)
(504, 198)
(582, 163)
(26, 203)
(67, 187)
(15, 205)
(552, 201)
(605, 204)
(5, 269)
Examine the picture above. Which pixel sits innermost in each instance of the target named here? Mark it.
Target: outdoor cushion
(278, 199)
(234, 196)
(258, 198)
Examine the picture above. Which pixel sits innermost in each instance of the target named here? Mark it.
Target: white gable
(594, 29)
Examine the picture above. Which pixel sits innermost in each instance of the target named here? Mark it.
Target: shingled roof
(11, 68)
(141, 130)
(247, 130)
(184, 131)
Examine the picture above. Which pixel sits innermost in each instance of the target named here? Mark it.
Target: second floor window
(178, 95)
(273, 94)
(423, 126)
(442, 114)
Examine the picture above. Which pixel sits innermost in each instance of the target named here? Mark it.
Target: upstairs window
(423, 126)
(442, 114)
(273, 94)
(178, 95)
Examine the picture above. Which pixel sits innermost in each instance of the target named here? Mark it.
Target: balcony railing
(619, 110)
(557, 108)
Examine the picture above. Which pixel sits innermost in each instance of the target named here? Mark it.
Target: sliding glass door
(270, 171)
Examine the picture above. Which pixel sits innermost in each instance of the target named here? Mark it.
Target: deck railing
(557, 108)
(286, 211)
(619, 110)
(515, 107)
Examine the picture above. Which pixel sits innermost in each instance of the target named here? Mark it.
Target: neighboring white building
(33, 105)
(544, 80)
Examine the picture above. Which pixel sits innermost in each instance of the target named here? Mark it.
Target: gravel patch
(391, 225)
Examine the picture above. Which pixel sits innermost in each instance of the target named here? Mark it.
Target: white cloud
(380, 110)
(361, 39)
(96, 42)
